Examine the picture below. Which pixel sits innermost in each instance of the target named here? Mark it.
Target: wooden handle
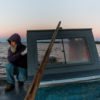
(37, 78)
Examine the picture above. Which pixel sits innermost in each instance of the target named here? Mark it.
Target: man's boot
(9, 87)
(20, 83)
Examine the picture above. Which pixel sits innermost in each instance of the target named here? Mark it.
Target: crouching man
(17, 62)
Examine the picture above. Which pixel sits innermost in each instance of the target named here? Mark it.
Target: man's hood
(15, 37)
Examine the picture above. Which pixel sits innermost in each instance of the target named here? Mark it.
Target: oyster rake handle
(31, 93)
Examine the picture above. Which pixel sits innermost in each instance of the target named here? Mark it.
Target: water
(3, 57)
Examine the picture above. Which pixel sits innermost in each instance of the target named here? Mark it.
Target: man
(17, 62)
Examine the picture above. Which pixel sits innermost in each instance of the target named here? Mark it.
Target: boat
(74, 75)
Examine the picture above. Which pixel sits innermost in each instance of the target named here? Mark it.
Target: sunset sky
(18, 16)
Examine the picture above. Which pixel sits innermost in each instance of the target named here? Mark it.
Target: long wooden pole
(37, 78)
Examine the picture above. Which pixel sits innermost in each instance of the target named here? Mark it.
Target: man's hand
(24, 52)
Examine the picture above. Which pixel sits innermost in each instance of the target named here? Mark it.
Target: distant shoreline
(97, 42)
(7, 42)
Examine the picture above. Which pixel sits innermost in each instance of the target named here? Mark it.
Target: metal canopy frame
(63, 71)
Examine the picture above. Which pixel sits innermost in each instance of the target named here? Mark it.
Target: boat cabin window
(65, 51)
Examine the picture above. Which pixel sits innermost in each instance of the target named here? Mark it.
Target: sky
(18, 16)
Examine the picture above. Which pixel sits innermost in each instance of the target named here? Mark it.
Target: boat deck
(76, 91)
(16, 94)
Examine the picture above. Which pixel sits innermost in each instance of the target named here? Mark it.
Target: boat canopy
(73, 57)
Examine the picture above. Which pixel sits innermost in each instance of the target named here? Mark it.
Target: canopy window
(65, 51)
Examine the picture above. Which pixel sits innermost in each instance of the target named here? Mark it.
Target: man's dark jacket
(16, 58)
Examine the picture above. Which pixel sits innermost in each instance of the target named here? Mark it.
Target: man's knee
(9, 66)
